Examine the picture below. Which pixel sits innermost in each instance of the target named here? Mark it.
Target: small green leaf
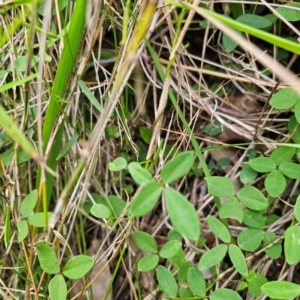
(275, 250)
(281, 289)
(219, 229)
(58, 288)
(290, 169)
(297, 209)
(284, 99)
(247, 174)
(213, 129)
(282, 154)
(185, 293)
(177, 167)
(67, 146)
(48, 259)
(145, 241)
(118, 164)
(254, 286)
(38, 220)
(183, 271)
(262, 164)
(292, 245)
(219, 186)
(289, 13)
(145, 199)
(252, 198)
(238, 259)
(139, 174)
(212, 257)
(148, 263)
(228, 43)
(100, 211)
(232, 209)
(275, 183)
(22, 230)
(250, 239)
(146, 134)
(178, 259)
(254, 21)
(224, 294)
(297, 111)
(253, 219)
(196, 282)
(174, 235)
(90, 95)
(182, 214)
(7, 227)
(117, 204)
(20, 64)
(28, 204)
(78, 266)
(167, 281)
(294, 129)
(170, 249)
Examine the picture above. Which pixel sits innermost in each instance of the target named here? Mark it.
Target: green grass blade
(16, 134)
(65, 67)
(15, 83)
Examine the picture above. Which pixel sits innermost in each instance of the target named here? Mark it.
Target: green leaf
(253, 219)
(228, 43)
(297, 111)
(7, 227)
(262, 164)
(78, 266)
(38, 220)
(252, 198)
(219, 229)
(290, 169)
(117, 204)
(177, 167)
(145, 199)
(292, 244)
(146, 134)
(28, 204)
(8, 157)
(90, 95)
(238, 259)
(167, 281)
(275, 183)
(183, 271)
(281, 289)
(219, 186)
(275, 250)
(196, 282)
(68, 145)
(213, 129)
(170, 249)
(22, 230)
(247, 174)
(148, 263)
(254, 286)
(288, 12)
(182, 214)
(294, 129)
(232, 209)
(224, 294)
(282, 154)
(178, 259)
(58, 288)
(139, 174)
(212, 257)
(20, 64)
(174, 235)
(185, 293)
(284, 99)
(118, 164)
(48, 259)
(250, 239)
(100, 211)
(145, 241)
(254, 21)
(297, 209)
